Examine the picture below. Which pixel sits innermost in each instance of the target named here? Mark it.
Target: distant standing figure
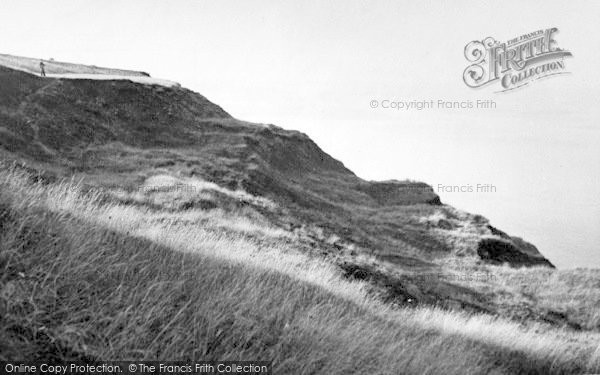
(42, 70)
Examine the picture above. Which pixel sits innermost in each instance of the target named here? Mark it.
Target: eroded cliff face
(401, 192)
(119, 131)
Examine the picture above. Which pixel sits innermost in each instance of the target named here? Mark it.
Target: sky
(316, 66)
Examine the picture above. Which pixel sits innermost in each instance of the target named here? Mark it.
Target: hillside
(86, 279)
(161, 169)
(80, 124)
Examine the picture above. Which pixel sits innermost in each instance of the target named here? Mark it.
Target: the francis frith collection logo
(514, 63)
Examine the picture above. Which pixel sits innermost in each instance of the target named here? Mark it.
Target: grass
(572, 294)
(33, 66)
(88, 278)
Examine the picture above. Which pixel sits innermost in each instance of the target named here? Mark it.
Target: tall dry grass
(573, 293)
(86, 279)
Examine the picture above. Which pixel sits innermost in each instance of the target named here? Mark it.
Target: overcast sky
(316, 66)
